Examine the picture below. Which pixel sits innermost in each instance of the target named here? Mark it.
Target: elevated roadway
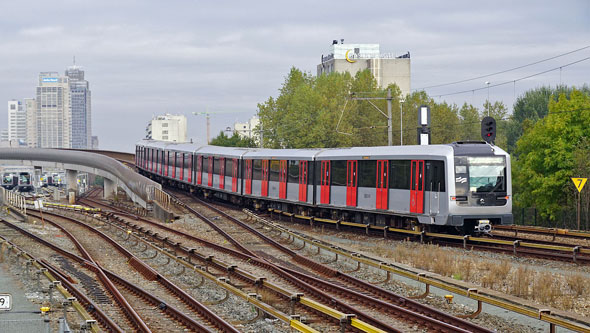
(139, 188)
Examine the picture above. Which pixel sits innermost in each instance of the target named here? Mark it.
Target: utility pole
(207, 115)
(388, 116)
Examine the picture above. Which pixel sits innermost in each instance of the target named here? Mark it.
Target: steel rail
(439, 317)
(151, 274)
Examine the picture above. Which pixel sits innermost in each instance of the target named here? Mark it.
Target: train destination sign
(579, 183)
(5, 302)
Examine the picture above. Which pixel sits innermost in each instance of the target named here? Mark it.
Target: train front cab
(482, 186)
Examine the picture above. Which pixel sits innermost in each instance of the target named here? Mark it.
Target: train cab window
(293, 171)
(257, 170)
(338, 173)
(274, 170)
(399, 174)
(435, 176)
(217, 166)
(367, 174)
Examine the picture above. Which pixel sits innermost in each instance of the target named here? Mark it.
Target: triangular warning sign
(579, 183)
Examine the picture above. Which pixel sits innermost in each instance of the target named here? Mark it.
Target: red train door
(417, 187)
(199, 169)
(181, 166)
(351, 182)
(283, 179)
(248, 176)
(382, 184)
(222, 173)
(325, 183)
(234, 175)
(210, 176)
(303, 181)
(190, 168)
(264, 190)
(174, 165)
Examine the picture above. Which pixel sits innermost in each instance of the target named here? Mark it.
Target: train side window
(293, 172)
(338, 173)
(216, 166)
(205, 164)
(367, 173)
(229, 164)
(257, 170)
(435, 176)
(274, 167)
(399, 174)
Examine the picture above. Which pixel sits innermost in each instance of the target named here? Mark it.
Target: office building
(31, 114)
(17, 121)
(385, 67)
(54, 116)
(80, 108)
(167, 128)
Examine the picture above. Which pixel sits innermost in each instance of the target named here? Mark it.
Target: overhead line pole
(388, 99)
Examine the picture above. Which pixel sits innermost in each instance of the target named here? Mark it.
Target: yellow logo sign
(579, 183)
(348, 59)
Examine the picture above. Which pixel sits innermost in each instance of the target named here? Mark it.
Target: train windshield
(7, 179)
(487, 174)
(25, 179)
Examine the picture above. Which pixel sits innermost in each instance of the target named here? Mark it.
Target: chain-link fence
(565, 218)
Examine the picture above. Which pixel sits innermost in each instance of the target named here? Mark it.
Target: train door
(181, 166)
(173, 165)
(190, 168)
(264, 190)
(351, 182)
(210, 176)
(222, 173)
(248, 176)
(417, 187)
(382, 184)
(325, 183)
(199, 169)
(234, 175)
(303, 181)
(283, 179)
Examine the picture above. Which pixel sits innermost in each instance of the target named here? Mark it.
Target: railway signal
(488, 129)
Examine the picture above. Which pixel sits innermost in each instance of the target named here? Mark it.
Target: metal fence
(566, 218)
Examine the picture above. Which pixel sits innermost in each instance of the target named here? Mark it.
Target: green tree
(234, 141)
(470, 128)
(532, 106)
(550, 153)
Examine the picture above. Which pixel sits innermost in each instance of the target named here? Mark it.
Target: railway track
(373, 296)
(175, 305)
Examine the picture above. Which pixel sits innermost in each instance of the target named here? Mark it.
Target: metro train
(463, 186)
(21, 181)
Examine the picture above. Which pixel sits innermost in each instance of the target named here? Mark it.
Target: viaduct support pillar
(72, 181)
(109, 189)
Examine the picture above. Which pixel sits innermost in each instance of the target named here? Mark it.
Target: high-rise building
(54, 116)
(80, 108)
(4, 135)
(17, 121)
(31, 112)
(167, 128)
(385, 67)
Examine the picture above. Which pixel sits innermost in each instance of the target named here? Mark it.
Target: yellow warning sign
(579, 183)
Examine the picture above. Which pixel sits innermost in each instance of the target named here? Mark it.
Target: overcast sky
(144, 58)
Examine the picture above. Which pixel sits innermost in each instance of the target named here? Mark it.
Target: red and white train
(466, 186)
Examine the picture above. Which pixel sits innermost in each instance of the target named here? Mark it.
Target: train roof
(385, 152)
(233, 152)
(284, 154)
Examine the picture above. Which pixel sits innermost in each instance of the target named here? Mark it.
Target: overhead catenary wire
(513, 81)
(501, 72)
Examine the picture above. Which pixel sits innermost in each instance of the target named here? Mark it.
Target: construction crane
(207, 114)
